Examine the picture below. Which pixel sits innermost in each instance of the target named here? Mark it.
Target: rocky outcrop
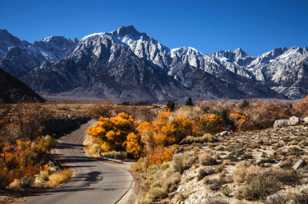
(292, 121)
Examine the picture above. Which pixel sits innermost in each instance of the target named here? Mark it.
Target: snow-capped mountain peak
(187, 55)
(232, 56)
(130, 31)
(143, 46)
(184, 51)
(54, 38)
(93, 35)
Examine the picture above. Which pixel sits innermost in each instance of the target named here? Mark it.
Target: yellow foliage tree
(116, 133)
(211, 122)
(133, 144)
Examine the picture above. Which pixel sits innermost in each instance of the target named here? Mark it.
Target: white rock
(281, 123)
(293, 120)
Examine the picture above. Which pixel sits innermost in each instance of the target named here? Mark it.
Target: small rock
(223, 133)
(281, 123)
(298, 164)
(293, 120)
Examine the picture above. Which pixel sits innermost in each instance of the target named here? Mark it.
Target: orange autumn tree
(239, 119)
(160, 135)
(166, 129)
(117, 133)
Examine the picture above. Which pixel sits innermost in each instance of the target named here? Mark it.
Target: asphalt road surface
(93, 181)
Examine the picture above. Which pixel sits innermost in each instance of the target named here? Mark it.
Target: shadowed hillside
(12, 90)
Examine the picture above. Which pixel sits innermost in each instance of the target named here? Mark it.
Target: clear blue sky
(208, 25)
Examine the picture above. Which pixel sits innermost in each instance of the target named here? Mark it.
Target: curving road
(93, 181)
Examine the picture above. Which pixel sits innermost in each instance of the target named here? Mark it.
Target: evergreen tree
(189, 102)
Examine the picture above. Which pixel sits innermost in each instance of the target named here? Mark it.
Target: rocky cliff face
(55, 48)
(284, 70)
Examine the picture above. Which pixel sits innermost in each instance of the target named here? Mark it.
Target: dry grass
(243, 172)
(20, 119)
(183, 161)
(59, 177)
(259, 186)
(259, 183)
(157, 185)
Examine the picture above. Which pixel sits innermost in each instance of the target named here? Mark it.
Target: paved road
(93, 181)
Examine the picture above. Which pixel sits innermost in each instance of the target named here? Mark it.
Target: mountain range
(128, 65)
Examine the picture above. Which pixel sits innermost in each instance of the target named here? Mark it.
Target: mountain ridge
(233, 73)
